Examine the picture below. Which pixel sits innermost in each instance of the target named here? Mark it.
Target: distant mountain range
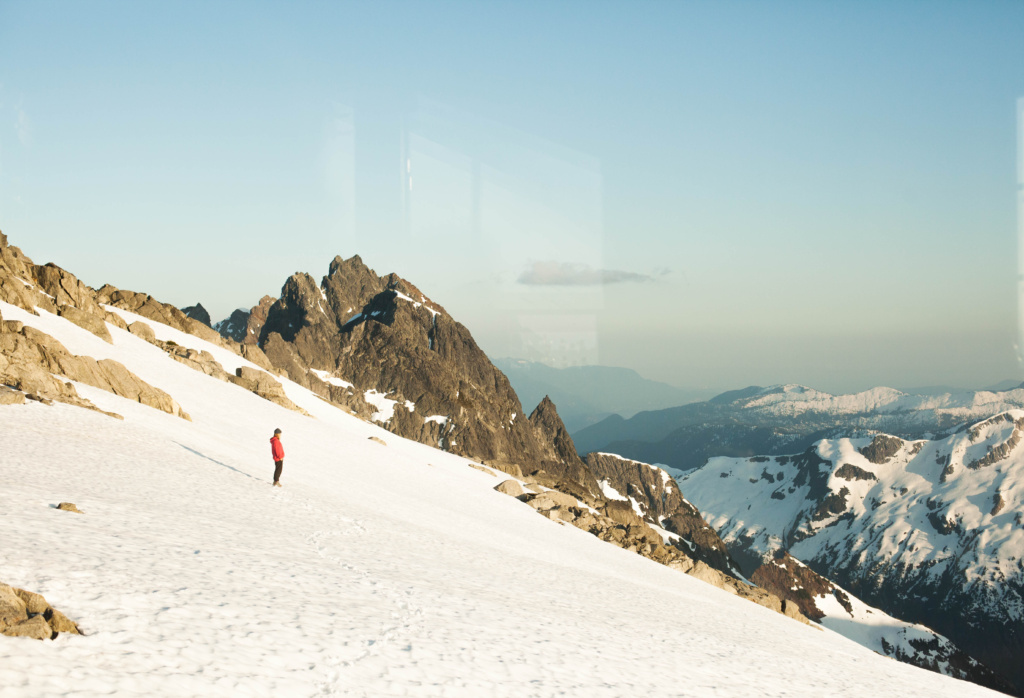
(784, 419)
(586, 395)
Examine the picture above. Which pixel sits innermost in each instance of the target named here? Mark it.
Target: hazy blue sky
(716, 194)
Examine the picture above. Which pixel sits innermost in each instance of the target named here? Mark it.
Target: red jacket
(276, 449)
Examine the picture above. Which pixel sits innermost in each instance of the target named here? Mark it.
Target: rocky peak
(389, 340)
(353, 266)
(563, 462)
(245, 326)
(198, 312)
(235, 325)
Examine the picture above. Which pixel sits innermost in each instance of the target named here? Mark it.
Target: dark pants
(278, 466)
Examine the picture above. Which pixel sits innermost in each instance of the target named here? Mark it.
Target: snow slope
(375, 571)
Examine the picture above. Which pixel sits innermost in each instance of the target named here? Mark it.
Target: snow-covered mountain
(928, 530)
(383, 566)
(785, 419)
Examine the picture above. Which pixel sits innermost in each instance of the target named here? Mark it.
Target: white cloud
(568, 274)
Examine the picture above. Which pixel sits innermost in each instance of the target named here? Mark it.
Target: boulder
(379, 440)
(560, 514)
(510, 487)
(142, 331)
(87, 321)
(202, 361)
(121, 381)
(115, 320)
(35, 627)
(69, 506)
(622, 513)
(12, 607)
(61, 623)
(264, 385)
(551, 499)
(11, 397)
(34, 603)
(195, 327)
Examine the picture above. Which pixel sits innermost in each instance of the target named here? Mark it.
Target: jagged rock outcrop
(26, 614)
(243, 325)
(198, 312)
(561, 460)
(662, 503)
(420, 370)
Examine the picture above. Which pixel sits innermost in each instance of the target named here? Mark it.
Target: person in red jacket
(277, 452)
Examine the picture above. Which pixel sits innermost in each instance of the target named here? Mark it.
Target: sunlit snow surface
(375, 571)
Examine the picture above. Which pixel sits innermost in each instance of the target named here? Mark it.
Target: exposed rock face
(245, 325)
(26, 614)
(561, 460)
(198, 312)
(234, 326)
(510, 487)
(663, 504)
(790, 579)
(882, 448)
(848, 471)
(17, 280)
(422, 371)
(87, 321)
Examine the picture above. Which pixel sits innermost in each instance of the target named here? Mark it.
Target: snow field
(375, 571)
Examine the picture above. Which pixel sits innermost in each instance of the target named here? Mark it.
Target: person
(277, 452)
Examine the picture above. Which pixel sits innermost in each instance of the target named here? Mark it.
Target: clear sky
(715, 194)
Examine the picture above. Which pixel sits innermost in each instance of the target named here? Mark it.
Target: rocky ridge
(654, 495)
(34, 365)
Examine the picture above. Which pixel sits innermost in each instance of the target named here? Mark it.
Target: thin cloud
(567, 274)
